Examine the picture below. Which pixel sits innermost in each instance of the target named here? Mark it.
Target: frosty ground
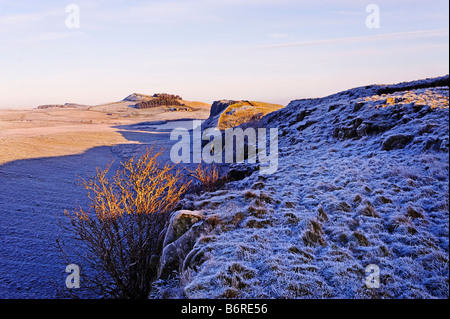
(33, 196)
(362, 180)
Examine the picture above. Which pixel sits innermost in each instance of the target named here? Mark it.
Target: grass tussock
(413, 213)
(321, 215)
(369, 210)
(257, 211)
(289, 204)
(291, 218)
(362, 240)
(250, 195)
(259, 198)
(256, 223)
(314, 234)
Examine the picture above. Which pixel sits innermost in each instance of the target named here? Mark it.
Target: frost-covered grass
(293, 251)
(337, 204)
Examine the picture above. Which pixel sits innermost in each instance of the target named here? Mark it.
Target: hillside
(229, 113)
(171, 102)
(362, 179)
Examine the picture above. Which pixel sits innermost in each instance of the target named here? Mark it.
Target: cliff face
(362, 181)
(219, 106)
(228, 114)
(216, 110)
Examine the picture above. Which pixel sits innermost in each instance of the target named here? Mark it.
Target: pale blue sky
(266, 50)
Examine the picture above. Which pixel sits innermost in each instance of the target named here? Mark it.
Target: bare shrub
(120, 229)
(209, 177)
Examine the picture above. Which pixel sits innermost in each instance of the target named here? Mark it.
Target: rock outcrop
(137, 97)
(216, 110)
(180, 236)
(391, 116)
(219, 106)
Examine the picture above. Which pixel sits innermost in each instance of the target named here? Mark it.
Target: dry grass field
(43, 152)
(35, 133)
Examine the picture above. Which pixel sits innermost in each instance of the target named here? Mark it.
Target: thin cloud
(164, 12)
(14, 19)
(186, 11)
(45, 37)
(16, 22)
(358, 39)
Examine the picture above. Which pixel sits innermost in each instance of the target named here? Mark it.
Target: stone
(184, 227)
(333, 107)
(397, 141)
(180, 223)
(175, 253)
(240, 171)
(358, 106)
(363, 130)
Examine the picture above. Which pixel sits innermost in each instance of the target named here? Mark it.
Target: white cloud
(176, 11)
(163, 12)
(46, 36)
(369, 38)
(20, 19)
(33, 21)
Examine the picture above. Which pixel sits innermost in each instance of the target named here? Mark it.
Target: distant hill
(137, 97)
(62, 106)
(168, 103)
